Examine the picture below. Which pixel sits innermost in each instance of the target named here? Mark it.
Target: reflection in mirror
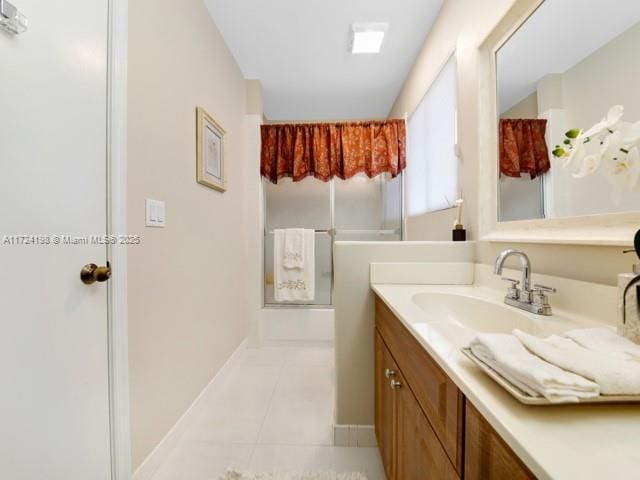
(569, 111)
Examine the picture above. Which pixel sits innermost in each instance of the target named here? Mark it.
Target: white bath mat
(235, 475)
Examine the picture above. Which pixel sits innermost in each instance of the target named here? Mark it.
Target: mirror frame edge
(613, 229)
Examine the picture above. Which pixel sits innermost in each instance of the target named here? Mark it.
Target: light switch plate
(154, 213)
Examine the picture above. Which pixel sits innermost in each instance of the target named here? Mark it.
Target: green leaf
(559, 152)
(573, 133)
(567, 141)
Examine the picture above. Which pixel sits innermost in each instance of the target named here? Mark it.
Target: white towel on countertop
(294, 240)
(294, 284)
(605, 340)
(507, 356)
(614, 375)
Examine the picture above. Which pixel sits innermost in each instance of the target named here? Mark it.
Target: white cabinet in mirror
(563, 150)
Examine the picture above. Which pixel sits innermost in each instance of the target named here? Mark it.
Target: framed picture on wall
(210, 151)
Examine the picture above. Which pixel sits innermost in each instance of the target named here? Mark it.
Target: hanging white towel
(507, 356)
(294, 240)
(605, 340)
(294, 284)
(614, 375)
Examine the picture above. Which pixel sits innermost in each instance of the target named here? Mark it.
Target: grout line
(264, 419)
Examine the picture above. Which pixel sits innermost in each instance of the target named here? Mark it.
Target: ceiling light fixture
(367, 37)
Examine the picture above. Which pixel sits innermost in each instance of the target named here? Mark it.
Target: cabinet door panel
(487, 457)
(385, 407)
(420, 455)
(440, 399)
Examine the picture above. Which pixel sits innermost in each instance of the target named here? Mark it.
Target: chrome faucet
(532, 300)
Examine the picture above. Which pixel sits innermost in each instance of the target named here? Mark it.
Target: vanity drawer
(437, 395)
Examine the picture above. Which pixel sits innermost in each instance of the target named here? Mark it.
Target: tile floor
(272, 409)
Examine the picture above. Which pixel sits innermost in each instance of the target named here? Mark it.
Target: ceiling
(299, 50)
(556, 37)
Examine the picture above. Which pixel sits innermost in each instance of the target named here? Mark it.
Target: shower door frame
(332, 232)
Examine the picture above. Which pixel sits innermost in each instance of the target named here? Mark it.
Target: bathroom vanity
(426, 427)
(439, 416)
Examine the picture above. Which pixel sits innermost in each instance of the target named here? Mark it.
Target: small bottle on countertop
(459, 234)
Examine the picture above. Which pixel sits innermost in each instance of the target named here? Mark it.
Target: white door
(54, 394)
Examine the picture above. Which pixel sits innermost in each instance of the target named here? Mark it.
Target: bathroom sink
(486, 316)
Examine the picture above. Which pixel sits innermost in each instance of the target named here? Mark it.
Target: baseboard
(354, 436)
(150, 465)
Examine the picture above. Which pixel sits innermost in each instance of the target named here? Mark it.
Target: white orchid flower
(630, 133)
(610, 148)
(606, 124)
(576, 154)
(623, 172)
(590, 163)
(610, 144)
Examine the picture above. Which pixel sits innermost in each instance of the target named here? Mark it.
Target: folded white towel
(614, 375)
(294, 284)
(605, 340)
(294, 240)
(507, 356)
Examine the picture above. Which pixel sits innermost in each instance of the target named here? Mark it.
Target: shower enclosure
(356, 209)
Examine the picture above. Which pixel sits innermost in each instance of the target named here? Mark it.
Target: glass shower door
(358, 209)
(368, 209)
(304, 204)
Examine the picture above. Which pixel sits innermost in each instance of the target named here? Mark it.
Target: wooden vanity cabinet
(425, 427)
(385, 409)
(486, 454)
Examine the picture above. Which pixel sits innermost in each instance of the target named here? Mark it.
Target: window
(432, 163)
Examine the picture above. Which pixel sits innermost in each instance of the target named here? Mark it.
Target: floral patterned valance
(325, 150)
(523, 148)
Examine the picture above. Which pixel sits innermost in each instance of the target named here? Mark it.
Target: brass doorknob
(92, 273)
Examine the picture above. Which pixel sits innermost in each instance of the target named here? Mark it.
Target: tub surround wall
(354, 313)
(296, 325)
(187, 281)
(462, 25)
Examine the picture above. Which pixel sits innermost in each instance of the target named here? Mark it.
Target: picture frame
(210, 152)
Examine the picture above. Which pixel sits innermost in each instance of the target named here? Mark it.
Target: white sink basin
(486, 316)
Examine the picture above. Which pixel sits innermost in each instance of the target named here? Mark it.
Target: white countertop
(573, 442)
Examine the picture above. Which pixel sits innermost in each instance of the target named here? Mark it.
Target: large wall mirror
(568, 108)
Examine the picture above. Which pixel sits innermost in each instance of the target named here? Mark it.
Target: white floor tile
(313, 356)
(236, 409)
(301, 410)
(272, 409)
(203, 461)
(359, 459)
(266, 356)
(266, 458)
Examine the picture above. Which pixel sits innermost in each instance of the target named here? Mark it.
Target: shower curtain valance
(325, 150)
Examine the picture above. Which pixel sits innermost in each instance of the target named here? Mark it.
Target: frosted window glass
(359, 203)
(432, 164)
(304, 204)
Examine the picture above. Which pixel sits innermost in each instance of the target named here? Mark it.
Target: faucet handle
(543, 288)
(513, 291)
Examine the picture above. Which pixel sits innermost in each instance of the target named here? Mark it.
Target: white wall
(187, 282)
(253, 209)
(354, 315)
